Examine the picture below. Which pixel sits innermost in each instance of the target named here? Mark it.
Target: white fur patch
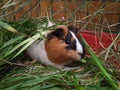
(37, 51)
(78, 44)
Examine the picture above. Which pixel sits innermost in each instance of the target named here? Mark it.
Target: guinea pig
(61, 47)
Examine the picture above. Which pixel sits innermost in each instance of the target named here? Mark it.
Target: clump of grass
(40, 77)
(16, 36)
(13, 42)
(98, 63)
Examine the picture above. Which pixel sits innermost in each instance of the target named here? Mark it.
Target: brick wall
(84, 13)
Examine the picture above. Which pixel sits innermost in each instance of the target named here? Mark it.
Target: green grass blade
(14, 87)
(11, 80)
(23, 48)
(77, 85)
(38, 87)
(57, 88)
(19, 45)
(9, 28)
(31, 40)
(11, 41)
(35, 81)
(16, 47)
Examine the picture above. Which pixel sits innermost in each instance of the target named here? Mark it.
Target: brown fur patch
(57, 53)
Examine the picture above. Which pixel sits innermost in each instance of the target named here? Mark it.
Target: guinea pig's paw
(74, 55)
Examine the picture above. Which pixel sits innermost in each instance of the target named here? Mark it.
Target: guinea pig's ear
(59, 33)
(73, 29)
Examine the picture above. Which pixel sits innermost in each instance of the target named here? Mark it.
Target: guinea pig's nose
(81, 55)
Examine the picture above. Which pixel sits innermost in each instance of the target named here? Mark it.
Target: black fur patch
(76, 31)
(68, 38)
(59, 33)
(83, 54)
(71, 45)
(73, 29)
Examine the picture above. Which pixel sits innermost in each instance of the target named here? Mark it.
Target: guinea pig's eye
(72, 45)
(68, 38)
(67, 41)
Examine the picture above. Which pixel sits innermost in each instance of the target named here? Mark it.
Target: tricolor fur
(61, 48)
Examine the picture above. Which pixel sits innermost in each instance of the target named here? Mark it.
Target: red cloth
(97, 40)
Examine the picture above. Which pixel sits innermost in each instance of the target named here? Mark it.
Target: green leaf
(30, 41)
(56, 88)
(11, 41)
(35, 81)
(9, 28)
(40, 87)
(13, 87)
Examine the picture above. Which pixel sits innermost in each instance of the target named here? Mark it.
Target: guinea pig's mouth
(82, 55)
(79, 54)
